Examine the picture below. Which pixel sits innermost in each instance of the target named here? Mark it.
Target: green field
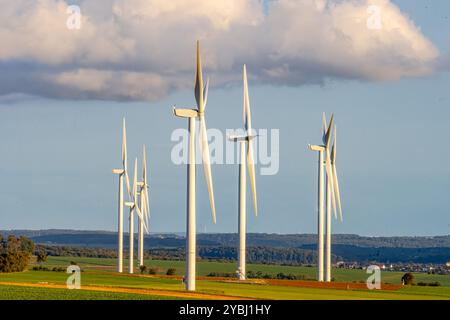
(101, 273)
(30, 293)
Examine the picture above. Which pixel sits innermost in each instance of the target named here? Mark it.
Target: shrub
(291, 277)
(142, 269)
(221, 275)
(434, 284)
(41, 256)
(171, 271)
(153, 270)
(407, 279)
(422, 284)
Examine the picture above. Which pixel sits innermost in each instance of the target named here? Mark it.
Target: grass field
(10, 292)
(99, 281)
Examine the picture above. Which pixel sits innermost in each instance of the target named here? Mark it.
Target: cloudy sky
(64, 91)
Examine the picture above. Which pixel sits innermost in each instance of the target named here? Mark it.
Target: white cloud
(143, 49)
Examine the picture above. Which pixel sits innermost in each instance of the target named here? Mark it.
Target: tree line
(259, 254)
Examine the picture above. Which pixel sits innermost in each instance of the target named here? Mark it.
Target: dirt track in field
(153, 292)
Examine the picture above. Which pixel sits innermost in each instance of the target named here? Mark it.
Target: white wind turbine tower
(145, 208)
(122, 172)
(245, 141)
(325, 148)
(201, 94)
(133, 208)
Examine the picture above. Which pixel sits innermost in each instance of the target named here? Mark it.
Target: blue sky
(58, 152)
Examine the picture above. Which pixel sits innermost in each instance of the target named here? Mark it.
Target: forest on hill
(292, 249)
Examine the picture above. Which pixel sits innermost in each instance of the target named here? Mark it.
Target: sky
(64, 92)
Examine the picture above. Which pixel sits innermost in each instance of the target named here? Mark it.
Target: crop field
(15, 292)
(100, 281)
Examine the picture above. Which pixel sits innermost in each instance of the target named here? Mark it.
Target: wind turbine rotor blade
(338, 193)
(124, 156)
(329, 132)
(147, 205)
(124, 145)
(333, 149)
(139, 213)
(205, 93)
(144, 203)
(144, 210)
(135, 180)
(333, 197)
(144, 189)
(246, 107)
(325, 127)
(204, 148)
(144, 165)
(199, 82)
(139, 210)
(127, 182)
(251, 172)
(329, 171)
(336, 182)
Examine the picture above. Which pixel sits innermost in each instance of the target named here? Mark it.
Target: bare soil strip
(328, 285)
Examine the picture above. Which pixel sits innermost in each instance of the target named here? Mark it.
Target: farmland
(100, 281)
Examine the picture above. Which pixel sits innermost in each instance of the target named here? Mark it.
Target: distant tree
(26, 245)
(41, 256)
(407, 278)
(171, 271)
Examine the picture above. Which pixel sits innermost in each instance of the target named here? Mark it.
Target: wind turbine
(245, 140)
(323, 149)
(122, 172)
(133, 205)
(145, 209)
(201, 94)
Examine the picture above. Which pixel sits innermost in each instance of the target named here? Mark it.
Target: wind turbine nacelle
(185, 113)
(241, 138)
(118, 171)
(314, 147)
(129, 204)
